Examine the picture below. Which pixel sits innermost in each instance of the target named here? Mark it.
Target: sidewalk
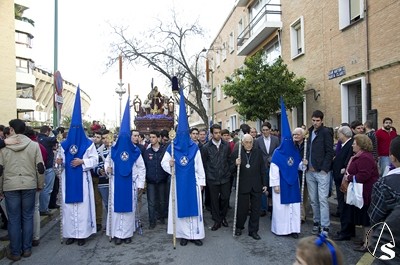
(55, 214)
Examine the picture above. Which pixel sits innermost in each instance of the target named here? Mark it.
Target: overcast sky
(85, 36)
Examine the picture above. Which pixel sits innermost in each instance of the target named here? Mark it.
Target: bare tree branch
(163, 49)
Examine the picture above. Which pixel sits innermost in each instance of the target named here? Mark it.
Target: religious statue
(157, 101)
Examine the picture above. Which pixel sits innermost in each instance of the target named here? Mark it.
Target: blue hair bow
(322, 238)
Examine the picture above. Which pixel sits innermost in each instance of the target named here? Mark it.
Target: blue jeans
(104, 192)
(47, 189)
(318, 185)
(383, 162)
(20, 206)
(157, 201)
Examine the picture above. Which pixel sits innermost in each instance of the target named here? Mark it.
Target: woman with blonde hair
(318, 250)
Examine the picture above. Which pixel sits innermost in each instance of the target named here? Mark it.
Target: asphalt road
(155, 247)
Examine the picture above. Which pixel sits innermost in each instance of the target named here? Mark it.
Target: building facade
(7, 62)
(346, 49)
(27, 92)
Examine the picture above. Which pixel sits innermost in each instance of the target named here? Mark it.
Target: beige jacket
(19, 163)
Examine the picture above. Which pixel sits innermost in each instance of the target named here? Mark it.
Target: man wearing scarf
(190, 179)
(127, 178)
(80, 156)
(284, 181)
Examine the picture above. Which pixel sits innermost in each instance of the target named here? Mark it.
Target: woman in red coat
(363, 167)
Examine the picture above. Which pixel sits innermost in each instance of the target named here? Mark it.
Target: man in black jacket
(157, 181)
(339, 166)
(319, 156)
(216, 160)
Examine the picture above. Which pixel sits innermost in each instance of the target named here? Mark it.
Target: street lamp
(207, 93)
(137, 104)
(120, 91)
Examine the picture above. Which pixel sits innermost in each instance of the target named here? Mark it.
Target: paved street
(155, 247)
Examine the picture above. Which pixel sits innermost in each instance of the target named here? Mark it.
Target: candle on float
(120, 67)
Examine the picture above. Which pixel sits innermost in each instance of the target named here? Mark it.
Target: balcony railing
(269, 12)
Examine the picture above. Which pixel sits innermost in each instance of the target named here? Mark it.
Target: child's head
(318, 250)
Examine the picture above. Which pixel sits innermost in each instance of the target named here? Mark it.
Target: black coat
(253, 178)
(216, 162)
(321, 149)
(341, 160)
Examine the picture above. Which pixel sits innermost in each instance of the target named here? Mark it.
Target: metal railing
(267, 10)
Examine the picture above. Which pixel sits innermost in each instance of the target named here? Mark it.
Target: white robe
(79, 219)
(123, 225)
(188, 227)
(285, 217)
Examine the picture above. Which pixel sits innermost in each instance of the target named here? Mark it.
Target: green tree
(257, 87)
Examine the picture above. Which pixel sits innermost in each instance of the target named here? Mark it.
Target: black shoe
(197, 242)
(128, 240)
(294, 235)
(26, 253)
(98, 227)
(81, 242)
(70, 241)
(361, 249)
(224, 222)
(152, 226)
(238, 232)
(117, 241)
(5, 238)
(54, 206)
(12, 257)
(337, 214)
(184, 242)
(47, 213)
(255, 235)
(341, 238)
(35, 242)
(216, 226)
(263, 213)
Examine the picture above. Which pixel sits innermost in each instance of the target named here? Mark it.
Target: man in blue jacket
(157, 181)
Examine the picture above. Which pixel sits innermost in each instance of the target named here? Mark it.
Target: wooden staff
(172, 135)
(110, 138)
(303, 177)
(240, 135)
(58, 170)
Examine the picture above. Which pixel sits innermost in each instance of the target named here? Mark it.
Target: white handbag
(355, 194)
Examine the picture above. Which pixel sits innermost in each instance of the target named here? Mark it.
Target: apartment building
(27, 92)
(250, 27)
(346, 49)
(348, 52)
(7, 62)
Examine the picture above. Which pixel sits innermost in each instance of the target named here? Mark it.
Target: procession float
(156, 113)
